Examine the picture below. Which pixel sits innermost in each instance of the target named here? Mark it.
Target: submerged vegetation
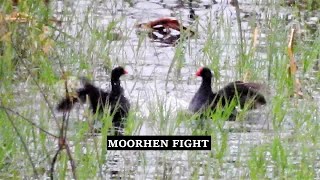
(46, 45)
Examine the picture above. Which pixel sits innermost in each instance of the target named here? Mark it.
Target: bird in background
(163, 30)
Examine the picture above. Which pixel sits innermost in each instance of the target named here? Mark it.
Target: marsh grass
(40, 53)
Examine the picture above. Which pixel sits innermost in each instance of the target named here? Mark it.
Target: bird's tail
(255, 99)
(66, 104)
(250, 91)
(259, 100)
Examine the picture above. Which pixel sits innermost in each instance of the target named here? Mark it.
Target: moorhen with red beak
(100, 100)
(243, 93)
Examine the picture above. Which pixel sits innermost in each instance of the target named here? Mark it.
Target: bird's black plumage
(100, 100)
(242, 92)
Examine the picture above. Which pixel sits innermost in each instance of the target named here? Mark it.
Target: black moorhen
(99, 99)
(205, 98)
